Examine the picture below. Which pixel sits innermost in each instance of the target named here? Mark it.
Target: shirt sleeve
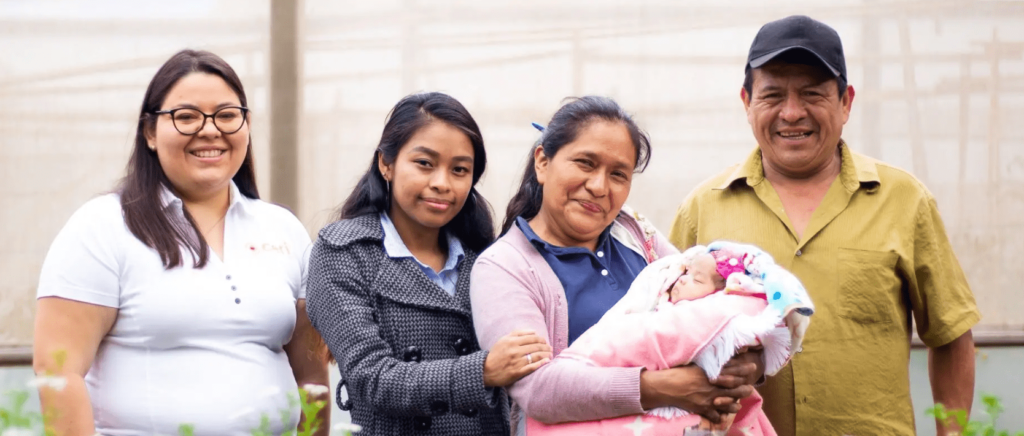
(299, 238)
(942, 301)
(84, 261)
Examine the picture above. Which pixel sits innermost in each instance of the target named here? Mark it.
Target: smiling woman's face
(586, 182)
(431, 177)
(205, 162)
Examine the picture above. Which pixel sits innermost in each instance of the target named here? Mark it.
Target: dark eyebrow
(616, 164)
(192, 106)
(426, 150)
(434, 154)
(769, 88)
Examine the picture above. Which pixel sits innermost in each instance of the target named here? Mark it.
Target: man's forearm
(951, 370)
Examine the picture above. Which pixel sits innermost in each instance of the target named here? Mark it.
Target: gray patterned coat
(406, 349)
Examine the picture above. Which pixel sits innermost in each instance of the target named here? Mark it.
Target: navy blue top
(593, 280)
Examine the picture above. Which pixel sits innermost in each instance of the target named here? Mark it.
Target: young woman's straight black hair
(563, 129)
(473, 224)
(140, 188)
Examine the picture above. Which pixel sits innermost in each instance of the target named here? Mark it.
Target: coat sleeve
(340, 306)
(563, 390)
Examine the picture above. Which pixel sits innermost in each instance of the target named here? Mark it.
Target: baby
(701, 306)
(700, 278)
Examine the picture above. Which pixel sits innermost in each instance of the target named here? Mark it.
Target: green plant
(969, 427)
(15, 420)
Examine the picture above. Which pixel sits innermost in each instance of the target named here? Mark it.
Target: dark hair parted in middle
(473, 224)
(564, 127)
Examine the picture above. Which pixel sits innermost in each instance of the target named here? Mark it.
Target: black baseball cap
(798, 32)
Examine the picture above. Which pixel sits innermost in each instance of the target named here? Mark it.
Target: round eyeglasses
(190, 121)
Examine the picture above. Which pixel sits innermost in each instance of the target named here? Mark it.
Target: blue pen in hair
(537, 126)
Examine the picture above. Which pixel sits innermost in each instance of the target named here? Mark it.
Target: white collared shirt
(197, 346)
(395, 248)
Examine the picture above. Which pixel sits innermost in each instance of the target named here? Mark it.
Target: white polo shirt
(189, 346)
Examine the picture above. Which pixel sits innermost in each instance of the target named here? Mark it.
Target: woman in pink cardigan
(570, 250)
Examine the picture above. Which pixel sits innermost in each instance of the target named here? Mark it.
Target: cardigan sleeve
(506, 296)
(340, 307)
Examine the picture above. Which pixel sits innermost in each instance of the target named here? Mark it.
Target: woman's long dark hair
(563, 128)
(473, 224)
(140, 188)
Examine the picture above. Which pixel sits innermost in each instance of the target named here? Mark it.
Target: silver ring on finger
(529, 359)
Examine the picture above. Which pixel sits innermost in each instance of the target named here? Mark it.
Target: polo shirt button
(799, 253)
(227, 277)
(604, 272)
(238, 301)
(234, 288)
(805, 399)
(600, 254)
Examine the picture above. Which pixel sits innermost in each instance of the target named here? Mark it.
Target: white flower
(315, 390)
(52, 381)
(18, 432)
(346, 426)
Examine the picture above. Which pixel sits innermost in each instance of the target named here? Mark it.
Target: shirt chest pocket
(868, 285)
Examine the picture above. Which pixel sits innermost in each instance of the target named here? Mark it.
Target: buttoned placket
(230, 275)
(600, 260)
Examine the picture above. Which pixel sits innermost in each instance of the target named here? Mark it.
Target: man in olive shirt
(865, 238)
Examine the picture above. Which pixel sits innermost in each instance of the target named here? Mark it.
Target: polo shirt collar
(856, 170)
(396, 248)
(235, 198)
(531, 236)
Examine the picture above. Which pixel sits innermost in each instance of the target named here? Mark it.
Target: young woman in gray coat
(388, 286)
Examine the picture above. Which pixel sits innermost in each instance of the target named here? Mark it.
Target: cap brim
(759, 61)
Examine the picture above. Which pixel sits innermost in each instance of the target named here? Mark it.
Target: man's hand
(688, 388)
(740, 366)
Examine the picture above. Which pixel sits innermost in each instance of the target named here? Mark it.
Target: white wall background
(940, 92)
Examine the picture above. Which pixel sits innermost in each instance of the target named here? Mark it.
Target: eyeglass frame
(245, 113)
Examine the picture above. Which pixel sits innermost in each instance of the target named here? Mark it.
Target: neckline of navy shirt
(593, 280)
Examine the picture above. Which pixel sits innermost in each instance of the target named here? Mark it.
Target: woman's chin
(588, 228)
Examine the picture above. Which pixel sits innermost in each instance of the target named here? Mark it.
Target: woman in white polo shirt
(180, 298)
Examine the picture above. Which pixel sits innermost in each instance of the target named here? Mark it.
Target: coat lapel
(401, 281)
(462, 286)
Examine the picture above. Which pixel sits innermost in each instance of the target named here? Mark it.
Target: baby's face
(699, 280)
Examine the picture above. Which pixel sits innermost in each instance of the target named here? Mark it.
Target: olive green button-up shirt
(874, 253)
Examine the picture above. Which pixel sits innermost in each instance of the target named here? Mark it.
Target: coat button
(412, 354)
(462, 347)
(421, 423)
(470, 413)
(439, 407)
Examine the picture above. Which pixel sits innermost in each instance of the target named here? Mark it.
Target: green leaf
(60, 357)
(938, 411)
(186, 430)
(264, 428)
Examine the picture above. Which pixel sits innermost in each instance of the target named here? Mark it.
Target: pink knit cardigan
(512, 287)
